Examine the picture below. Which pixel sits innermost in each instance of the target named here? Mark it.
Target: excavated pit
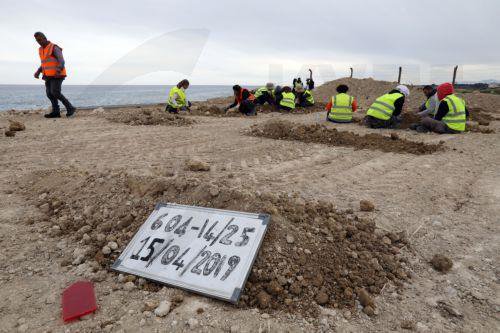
(213, 110)
(312, 253)
(316, 133)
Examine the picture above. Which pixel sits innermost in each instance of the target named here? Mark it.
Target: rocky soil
(363, 238)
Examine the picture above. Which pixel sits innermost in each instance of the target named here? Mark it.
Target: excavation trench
(316, 133)
(312, 253)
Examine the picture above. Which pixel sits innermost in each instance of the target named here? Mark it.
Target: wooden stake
(399, 76)
(352, 72)
(455, 75)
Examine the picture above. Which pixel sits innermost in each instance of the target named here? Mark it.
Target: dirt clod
(10, 134)
(197, 165)
(366, 206)
(322, 298)
(16, 126)
(264, 299)
(441, 263)
(370, 311)
(364, 298)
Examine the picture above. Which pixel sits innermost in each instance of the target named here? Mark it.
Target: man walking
(54, 72)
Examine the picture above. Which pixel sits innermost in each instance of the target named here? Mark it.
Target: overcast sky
(250, 42)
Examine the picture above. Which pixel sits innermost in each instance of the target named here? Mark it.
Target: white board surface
(204, 250)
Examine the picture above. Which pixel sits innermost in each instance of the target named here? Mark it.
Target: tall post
(399, 75)
(455, 75)
(352, 72)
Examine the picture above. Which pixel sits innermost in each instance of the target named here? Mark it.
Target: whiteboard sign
(204, 250)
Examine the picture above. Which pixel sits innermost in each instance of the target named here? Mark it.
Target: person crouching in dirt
(177, 98)
(304, 96)
(341, 106)
(265, 95)
(429, 108)
(385, 111)
(286, 99)
(244, 99)
(451, 115)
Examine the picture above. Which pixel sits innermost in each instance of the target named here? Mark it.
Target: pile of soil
(482, 116)
(366, 91)
(408, 118)
(312, 253)
(146, 116)
(316, 133)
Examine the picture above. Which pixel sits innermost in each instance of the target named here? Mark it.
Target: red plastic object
(78, 300)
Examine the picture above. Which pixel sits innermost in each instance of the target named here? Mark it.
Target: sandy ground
(446, 202)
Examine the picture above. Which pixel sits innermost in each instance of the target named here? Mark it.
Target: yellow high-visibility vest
(341, 110)
(180, 100)
(456, 117)
(288, 100)
(383, 107)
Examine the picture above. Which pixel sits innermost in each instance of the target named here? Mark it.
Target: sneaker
(70, 112)
(53, 114)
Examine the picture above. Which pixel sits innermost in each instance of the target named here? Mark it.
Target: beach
(62, 179)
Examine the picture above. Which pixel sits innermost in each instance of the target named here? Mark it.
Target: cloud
(248, 38)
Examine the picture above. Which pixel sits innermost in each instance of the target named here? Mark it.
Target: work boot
(70, 112)
(53, 114)
(421, 129)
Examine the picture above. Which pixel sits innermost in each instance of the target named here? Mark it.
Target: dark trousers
(373, 122)
(437, 126)
(305, 104)
(265, 97)
(53, 90)
(247, 107)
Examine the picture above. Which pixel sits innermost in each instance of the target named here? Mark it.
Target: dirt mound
(312, 253)
(316, 133)
(366, 91)
(481, 116)
(146, 116)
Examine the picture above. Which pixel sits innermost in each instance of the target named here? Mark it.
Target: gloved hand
(189, 104)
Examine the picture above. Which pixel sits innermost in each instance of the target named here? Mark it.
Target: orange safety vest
(239, 98)
(49, 62)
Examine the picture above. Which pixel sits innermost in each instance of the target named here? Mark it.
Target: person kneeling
(304, 96)
(385, 110)
(286, 99)
(341, 106)
(265, 95)
(244, 99)
(451, 115)
(177, 98)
